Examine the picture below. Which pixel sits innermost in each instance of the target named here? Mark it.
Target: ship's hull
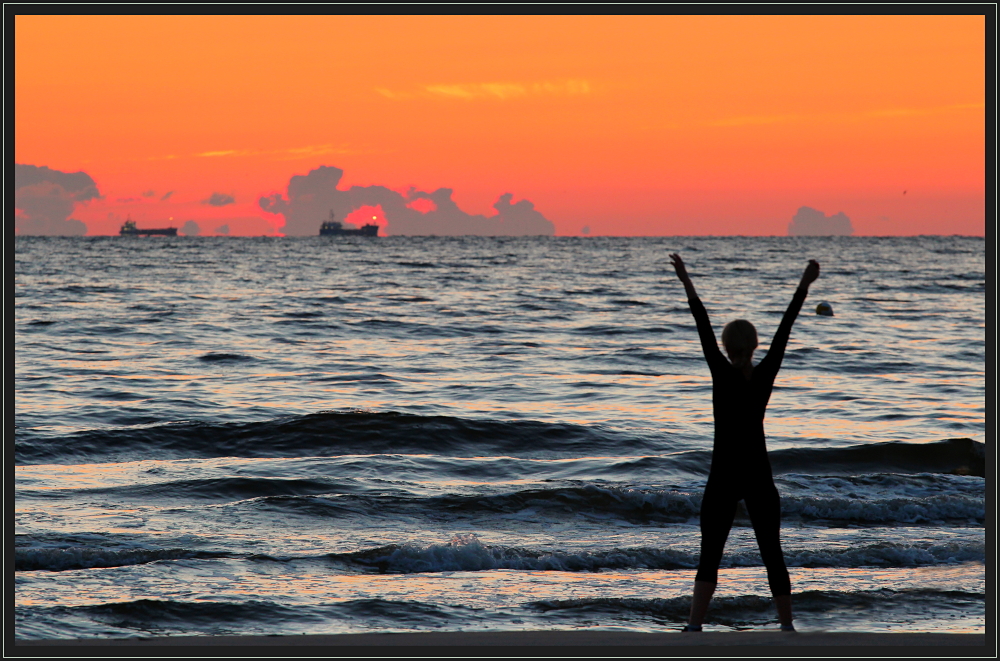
(169, 231)
(368, 230)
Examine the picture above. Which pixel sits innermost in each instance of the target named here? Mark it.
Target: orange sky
(637, 125)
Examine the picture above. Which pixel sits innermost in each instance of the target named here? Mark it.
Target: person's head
(740, 339)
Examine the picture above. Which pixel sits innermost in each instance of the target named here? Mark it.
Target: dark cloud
(45, 198)
(148, 193)
(166, 196)
(222, 229)
(219, 200)
(78, 184)
(191, 228)
(811, 222)
(311, 197)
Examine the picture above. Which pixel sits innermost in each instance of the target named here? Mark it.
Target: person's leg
(784, 606)
(703, 591)
(764, 507)
(717, 511)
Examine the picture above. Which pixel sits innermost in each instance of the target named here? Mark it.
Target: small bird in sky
(904, 192)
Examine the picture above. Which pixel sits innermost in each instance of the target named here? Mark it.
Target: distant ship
(129, 229)
(336, 228)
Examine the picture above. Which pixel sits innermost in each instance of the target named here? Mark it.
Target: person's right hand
(678, 263)
(810, 274)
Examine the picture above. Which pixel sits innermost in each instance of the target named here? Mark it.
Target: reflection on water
(305, 436)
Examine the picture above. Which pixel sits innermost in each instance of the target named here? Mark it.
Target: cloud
(810, 222)
(496, 90)
(79, 184)
(166, 196)
(290, 153)
(479, 90)
(45, 198)
(222, 229)
(310, 198)
(219, 200)
(148, 193)
(314, 150)
(191, 228)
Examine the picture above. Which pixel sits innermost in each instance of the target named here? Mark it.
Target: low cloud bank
(812, 222)
(311, 197)
(191, 228)
(45, 198)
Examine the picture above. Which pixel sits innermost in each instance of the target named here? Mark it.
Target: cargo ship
(129, 229)
(336, 228)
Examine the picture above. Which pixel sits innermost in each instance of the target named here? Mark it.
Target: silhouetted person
(740, 468)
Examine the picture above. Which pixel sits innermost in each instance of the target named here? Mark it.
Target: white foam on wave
(467, 553)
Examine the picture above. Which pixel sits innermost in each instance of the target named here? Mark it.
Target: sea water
(346, 434)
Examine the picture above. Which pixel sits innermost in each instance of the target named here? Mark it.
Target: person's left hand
(678, 263)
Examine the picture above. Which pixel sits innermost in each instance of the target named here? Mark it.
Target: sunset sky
(631, 125)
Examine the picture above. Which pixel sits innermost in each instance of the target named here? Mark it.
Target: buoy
(824, 309)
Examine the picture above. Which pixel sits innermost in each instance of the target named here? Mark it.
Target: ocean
(343, 434)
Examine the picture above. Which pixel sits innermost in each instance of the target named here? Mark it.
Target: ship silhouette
(129, 229)
(333, 227)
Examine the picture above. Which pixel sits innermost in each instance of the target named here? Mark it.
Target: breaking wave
(467, 553)
(332, 433)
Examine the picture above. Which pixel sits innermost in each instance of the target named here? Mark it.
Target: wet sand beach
(600, 643)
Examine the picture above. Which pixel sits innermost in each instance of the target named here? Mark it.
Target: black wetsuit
(740, 468)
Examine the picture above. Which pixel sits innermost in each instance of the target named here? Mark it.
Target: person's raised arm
(682, 274)
(705, 333)
(776, 352)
